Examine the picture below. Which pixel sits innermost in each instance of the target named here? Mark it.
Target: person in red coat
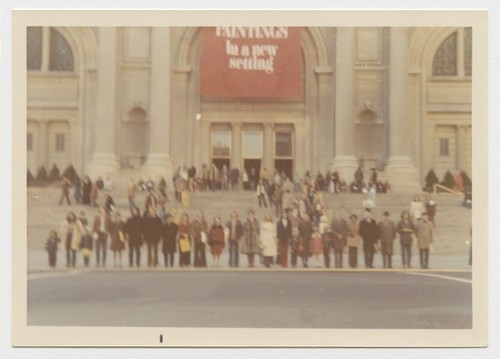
(216, 241)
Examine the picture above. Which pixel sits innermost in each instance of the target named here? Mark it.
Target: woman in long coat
(134, 230)
(71, 234)
(424, 233)
(185, 230)
(353, 241)
(268, 241)
(216, 241)
(251, 233)
(117, 239)
(169, 240)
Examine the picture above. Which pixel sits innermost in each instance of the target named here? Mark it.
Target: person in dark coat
(387, 234)
(86, 190)
(51, 247)
(368, 231)
(199, 234)
(340, 230)
(152, 233)
(134, 230)
(77, 190)
(305, 233)
(406, 228)
(284, 234)
(169, 241)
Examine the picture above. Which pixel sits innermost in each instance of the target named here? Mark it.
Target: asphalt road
(260, 299)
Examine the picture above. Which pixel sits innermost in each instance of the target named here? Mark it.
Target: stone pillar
(400, 170)
(461, 151)
(43, 145)
(158, 162)
(236, 160)
(324, 130)
(268, 148)
(345, 161)
(104, 160)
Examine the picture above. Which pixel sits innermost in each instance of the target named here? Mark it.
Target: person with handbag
(185, 230)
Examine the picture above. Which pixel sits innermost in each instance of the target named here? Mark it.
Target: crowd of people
(301, 228)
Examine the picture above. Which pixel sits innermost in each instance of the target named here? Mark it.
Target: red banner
(251, 62)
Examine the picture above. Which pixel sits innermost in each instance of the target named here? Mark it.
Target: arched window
(48, 41)
(61, 56)
(454, 55)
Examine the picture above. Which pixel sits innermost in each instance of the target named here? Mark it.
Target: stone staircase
(452, 220)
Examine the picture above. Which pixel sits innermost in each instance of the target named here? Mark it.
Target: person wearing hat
(387, 234)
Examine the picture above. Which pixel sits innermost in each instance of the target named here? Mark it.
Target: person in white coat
(416, 209)
(268, 242)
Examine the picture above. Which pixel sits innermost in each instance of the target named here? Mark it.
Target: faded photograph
(249, 177)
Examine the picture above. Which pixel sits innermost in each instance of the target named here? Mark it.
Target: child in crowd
(51, 247)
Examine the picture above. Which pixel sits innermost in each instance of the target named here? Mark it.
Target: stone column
(461, 152)
(236, 160)
(104, 160)
(345, 161)
(268, 148)
(158, 162)
(43, 145)
(400, 170)
(324, 129)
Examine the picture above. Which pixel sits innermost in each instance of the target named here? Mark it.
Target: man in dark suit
(368, 230)
(284, 232)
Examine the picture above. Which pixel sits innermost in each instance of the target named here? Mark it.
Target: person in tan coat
(424, 233)
(71, 234)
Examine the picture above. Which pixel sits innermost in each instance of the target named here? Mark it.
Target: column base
(158, 165)
(402, 175)
(346, 166)
(102, 165)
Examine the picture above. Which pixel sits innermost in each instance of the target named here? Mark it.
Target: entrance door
(252, 155)
(220, 162)
(284, 166)
(283, 150)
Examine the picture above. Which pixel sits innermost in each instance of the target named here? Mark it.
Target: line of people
(294, 235)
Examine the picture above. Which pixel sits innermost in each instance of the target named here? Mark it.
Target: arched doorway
(134, 139)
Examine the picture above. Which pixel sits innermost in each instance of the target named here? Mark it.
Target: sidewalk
(38, 261)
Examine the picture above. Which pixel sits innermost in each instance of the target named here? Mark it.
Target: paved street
(254, 299)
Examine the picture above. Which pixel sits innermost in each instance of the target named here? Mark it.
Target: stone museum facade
(124, 100)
